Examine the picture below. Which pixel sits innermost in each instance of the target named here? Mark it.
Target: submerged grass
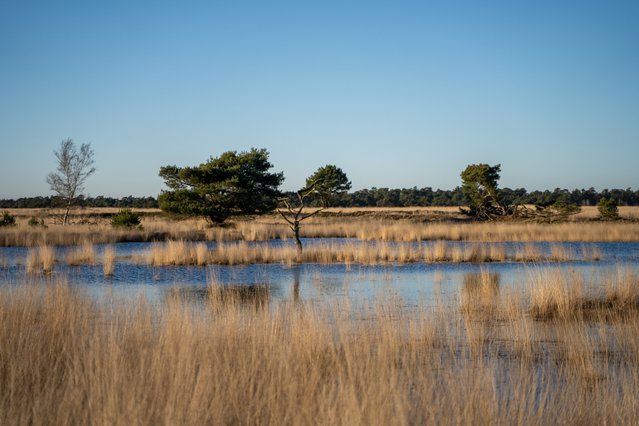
(238, 357)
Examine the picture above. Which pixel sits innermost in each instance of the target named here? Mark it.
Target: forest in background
(378, 197)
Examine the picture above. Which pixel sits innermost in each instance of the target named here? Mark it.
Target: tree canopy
(231, 184)
(479, 185)
(328, 181)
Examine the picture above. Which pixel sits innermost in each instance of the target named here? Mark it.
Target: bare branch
(284, 216)
(312, 214)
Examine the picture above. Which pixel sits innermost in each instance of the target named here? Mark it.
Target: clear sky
(397, 94)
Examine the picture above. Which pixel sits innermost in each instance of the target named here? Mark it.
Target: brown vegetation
(364, 253)
(83, 254)
(240, 358)
(108, 260)
(418, 224)
(40, 259)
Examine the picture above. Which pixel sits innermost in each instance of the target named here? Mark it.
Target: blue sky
(397, 94)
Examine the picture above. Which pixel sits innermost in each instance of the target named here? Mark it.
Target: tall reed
(365, 253)
(40, 259)
(83, 254)
(108, 260)
(239, 357)
(366, 228)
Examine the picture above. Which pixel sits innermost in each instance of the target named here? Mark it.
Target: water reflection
(296, 283)
(480, 294)
(482, 282)
(245, 295)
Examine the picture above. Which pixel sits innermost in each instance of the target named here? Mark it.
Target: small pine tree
(125, 218)
(608, 208)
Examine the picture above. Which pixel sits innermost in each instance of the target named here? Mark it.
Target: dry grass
(365, 224)
(237, 357)
(566, 295)
(364, 253)
(177, 253)
(40, 259)
(83, 254)
(108, 261)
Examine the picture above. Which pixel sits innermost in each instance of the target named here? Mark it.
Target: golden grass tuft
(177, 253)
(40, 259)
(83, 254)
(564, 295)
(108, 260)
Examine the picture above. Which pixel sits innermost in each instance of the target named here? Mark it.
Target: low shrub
(125, 218)
(7, 219)
(608, 208)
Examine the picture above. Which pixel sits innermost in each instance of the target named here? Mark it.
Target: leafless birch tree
(74, 167)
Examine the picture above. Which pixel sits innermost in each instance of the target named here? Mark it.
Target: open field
(558, 351)
(409, 224)
(558, 346)
(417, 213)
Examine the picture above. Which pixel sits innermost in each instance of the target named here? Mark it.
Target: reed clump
(238, 357)
(351, 252)
(177, 253)
(40, 259)
(565, 296)
(83, 254)
(108, 260)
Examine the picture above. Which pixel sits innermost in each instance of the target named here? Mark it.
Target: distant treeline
(408, 197)
(45, 202)
(381, 197)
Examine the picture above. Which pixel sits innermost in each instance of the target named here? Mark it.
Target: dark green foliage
(378, 197)
(327, 182)
(479, 185)
(608, 208)
(558, 210)
(231, 184)
(125, 218)
(100, 201)
(7, 219)
(564, 208)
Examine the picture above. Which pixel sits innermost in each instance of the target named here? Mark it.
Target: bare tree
(74, 167)
(294, 212)
(326, 182)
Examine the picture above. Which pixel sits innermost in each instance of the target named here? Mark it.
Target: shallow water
(413, 284)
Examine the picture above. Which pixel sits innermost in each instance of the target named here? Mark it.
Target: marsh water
(413, 283)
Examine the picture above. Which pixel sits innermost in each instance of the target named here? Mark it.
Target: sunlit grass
(232, 355)
(376, 225)
(353, 252)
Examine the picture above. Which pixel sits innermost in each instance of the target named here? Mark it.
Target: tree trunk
(66, 213)
(298, 242)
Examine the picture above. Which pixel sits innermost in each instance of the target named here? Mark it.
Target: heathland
(558, 344)
(560, 350)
